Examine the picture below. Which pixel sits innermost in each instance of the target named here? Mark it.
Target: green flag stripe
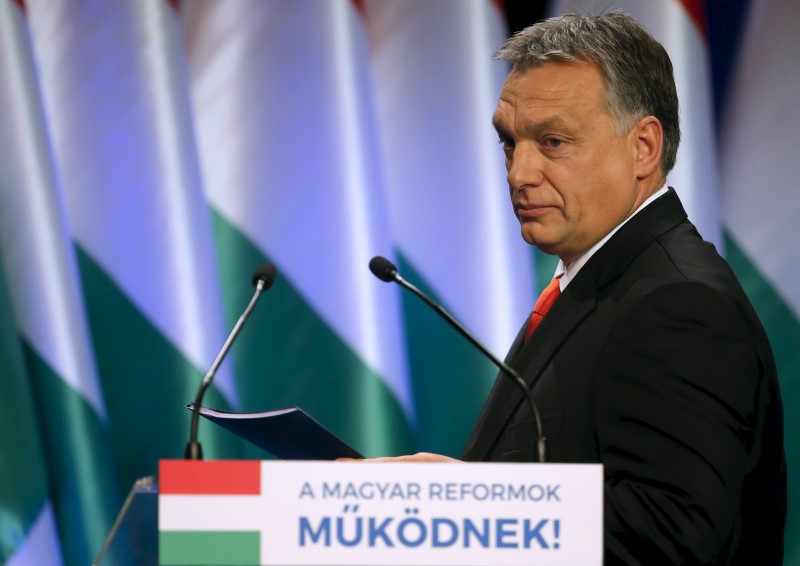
(450, 377)
(783, 329)
(146, 383)
(209, 547)
(84, 495)
(287, 355)
(23, 484)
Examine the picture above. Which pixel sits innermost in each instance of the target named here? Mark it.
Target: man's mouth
(531, 211)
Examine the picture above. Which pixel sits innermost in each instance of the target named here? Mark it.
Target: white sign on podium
(321, 513)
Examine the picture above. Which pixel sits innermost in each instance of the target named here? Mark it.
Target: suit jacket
(653, 363)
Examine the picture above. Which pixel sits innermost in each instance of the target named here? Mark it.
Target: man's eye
(508, 147)
(553, 142)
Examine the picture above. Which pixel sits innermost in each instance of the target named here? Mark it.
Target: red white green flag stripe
(188, 533)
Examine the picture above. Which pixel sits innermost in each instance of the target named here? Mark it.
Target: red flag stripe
(212, 477)
(695, 10)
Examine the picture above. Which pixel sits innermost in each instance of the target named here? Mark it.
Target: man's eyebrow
(501, 131)
(556, 121)
(551, 122)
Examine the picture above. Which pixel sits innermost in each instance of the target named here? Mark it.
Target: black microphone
(263, 277)
(385, 270)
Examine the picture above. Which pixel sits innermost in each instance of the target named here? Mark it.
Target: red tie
(543, 304)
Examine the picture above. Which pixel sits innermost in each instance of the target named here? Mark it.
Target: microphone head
(382, 268)
(264, 272)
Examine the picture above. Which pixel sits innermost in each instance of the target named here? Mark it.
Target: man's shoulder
(682, 275)
(685, 256)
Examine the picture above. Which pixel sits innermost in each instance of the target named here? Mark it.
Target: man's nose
(525, 167)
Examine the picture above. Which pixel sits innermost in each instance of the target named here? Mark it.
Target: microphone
(263, 277)
(385, 270)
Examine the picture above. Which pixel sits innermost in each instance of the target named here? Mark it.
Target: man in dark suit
(651, 361)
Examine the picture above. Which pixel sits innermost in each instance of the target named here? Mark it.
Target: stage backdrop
(152, 154)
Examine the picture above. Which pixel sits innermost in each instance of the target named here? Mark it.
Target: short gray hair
(636, 68)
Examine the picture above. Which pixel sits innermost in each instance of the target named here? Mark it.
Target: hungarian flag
(229, 535)
(55, 433)
(118, 113)
(287, 138)
(27, 524)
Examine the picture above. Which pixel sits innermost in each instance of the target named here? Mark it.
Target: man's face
(571, 177)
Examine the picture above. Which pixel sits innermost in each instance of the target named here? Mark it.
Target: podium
(133, 538)
(352, 513)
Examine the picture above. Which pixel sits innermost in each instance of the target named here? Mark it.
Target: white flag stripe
(43, 280)
(41, 546)
(192, 512)
(695, 173)
(289, 158)
(359, 181)
(759, 145)
(436, 90)
(139, 209)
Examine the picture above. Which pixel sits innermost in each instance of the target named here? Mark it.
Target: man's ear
(649, 145)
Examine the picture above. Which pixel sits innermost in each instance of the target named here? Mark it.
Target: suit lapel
(478, 442)
(529, 360)
(577, 301)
